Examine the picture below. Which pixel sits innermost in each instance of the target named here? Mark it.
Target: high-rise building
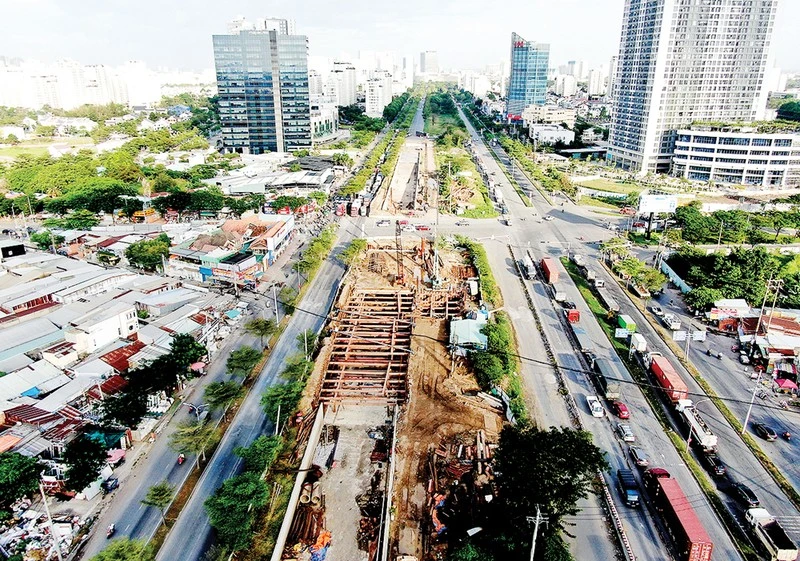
(612, 74)
(344, 78)
(596, 85)
(566, 85)
(378, 93)
(527, 84)
(429, 62)
(703, 61)
(262, 81)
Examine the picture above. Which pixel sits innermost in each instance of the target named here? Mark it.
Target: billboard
(657, 203)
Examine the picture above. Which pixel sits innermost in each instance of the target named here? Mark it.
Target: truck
(585, 343)
(628, 487)
(626, 322)
(638, 342)
(558, 293)
(549, 269)
(578, 260)
(671, 322)
(573, 316)
(527, 267)
(779, 545)
(691, 539)
(673, 385)
(605, 376)
(699, 431)
(595, 408)
(507, 219)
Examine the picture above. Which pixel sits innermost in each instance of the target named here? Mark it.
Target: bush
(489, 289)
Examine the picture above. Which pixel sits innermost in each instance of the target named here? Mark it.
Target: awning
(198, 366)
(785, 384)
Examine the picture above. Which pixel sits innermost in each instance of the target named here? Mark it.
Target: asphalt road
(191, 535)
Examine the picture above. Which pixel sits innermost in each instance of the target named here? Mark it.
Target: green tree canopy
(19, 477)
(261, 328)
(46, 240)
(229, 509)
(125, 549)
(160, 496)
(192, 437)
(242, 360)
(222, 394)
(261, 454)
(789, 111)
(148, 254)
(84, 457)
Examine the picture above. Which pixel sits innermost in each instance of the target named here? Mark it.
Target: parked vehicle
(628, 487)
(527, 267)
(549, 269)
(382, 223)
(558, 293)
(462, 223)
(745, 495)
(639, 456)
(765, 432)
(772, 535)
(606, 375)
(638, 342)
(671, 322)
(625, 433)
(573, 316)
(422, 227)
(595, 408)
(621, 410)
(109, 485)
(678, 516)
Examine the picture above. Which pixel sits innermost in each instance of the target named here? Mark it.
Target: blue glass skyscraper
(527, 84)
(262, 81)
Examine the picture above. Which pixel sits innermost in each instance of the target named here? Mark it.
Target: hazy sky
(467, 33)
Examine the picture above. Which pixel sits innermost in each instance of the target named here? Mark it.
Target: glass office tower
(262, 81)
(527, 84)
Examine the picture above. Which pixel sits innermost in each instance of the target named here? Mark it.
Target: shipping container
(585, 343)
(666, 376)
(626, 322)
(549, 269)
(691, 539)
(573, 316)
(606, 376)
(638, 342)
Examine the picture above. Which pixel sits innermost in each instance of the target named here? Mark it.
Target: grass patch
(591, 201)
(611, 185)
(436, 123)
(17, 151)
(641, 239)
(489, 288)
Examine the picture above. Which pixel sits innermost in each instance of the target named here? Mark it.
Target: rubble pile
(28, 533)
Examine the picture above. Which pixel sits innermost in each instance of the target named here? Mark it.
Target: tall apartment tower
(263, 86)
(527, 84)
(429, 62)
(682, 61)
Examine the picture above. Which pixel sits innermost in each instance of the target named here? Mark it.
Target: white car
(548, 218)
(657, 310)
(625, 433)
(595, 408)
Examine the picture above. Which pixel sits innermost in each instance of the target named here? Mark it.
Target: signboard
(679, 336)
(620, 333)
(699, 335)
(657, 203)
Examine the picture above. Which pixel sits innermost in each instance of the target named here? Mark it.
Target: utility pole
(537, 521)
(56, 545)
(778, 286)
(775, 285)
(275, 300)
(752, 399)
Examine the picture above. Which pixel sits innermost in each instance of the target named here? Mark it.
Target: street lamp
(196, 409)
(752, 399)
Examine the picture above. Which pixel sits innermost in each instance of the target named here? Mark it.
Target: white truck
(779, 545)
(671, 322)
(595, 407)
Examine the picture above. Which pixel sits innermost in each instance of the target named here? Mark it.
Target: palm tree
(160, 496)
(261, 328)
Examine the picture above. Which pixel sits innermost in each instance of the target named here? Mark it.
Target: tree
(12, 139)
(222, 394)
(287, 297)
(651, 279)
(229, 509)
(342, 159)
(261, 454)
(242, 360)
(702, 298)
(565, 462)
(307, 341)
(184, 350)
(354, 251)
(260, 327)
(148, 254)
(125, 549)
(160, 496)
(19, 477)
(46, 240)
(192, 437)
(469, 552)
(780, 221)
(789, 111)
(488, 368)
(283, 397)
(84, 457)
(125, 409)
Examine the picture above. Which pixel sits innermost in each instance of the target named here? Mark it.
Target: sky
(467, 34)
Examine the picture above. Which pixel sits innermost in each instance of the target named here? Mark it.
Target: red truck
(691, 539)
(666, 376)
(548, 265)
(573, 316)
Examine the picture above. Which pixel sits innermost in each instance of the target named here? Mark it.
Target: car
(462, 223)
(625, 433)
(639, 456)
(548, 218)
(765, 432)
(594, 406)
(409, 229)
(621, 410)
(569, 305)
(657, 310)
(382, 223)
(713, 464)
(109, 485)
(743, 358)
(422, 227)
(745, 495)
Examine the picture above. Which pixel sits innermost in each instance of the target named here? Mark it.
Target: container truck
(578, 260)
(558, 293)
(548, 265)
(638, 343)
(699, 431)
(779, 545)
(573, 316)
(666, 376)
(628, 487)
(626, 322)
(585, 342)
(605, 376)
(691, 539)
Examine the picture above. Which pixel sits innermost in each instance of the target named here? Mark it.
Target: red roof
(112, 385)
(30, 415)
(782, 325)
(63, 431)
(201, 318)
(118, 358)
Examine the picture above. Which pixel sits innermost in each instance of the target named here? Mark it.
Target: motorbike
(181, 459)
(787, 435)
(708, 352)
(719, 356)
(110, 531)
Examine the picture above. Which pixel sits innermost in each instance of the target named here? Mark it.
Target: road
(191, 535)
(554, 238)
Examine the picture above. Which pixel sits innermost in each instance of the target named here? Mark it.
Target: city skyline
(93, 35)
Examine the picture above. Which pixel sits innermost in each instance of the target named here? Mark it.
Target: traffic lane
(191, 534)
(739, 461)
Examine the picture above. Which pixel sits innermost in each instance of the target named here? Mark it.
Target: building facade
(378, 93)
(263, 86)
(429, 62)
(680, 62)
(527, 84)
(549, 114)
(738, 155)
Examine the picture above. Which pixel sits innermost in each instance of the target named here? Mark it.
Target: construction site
(400, 463)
